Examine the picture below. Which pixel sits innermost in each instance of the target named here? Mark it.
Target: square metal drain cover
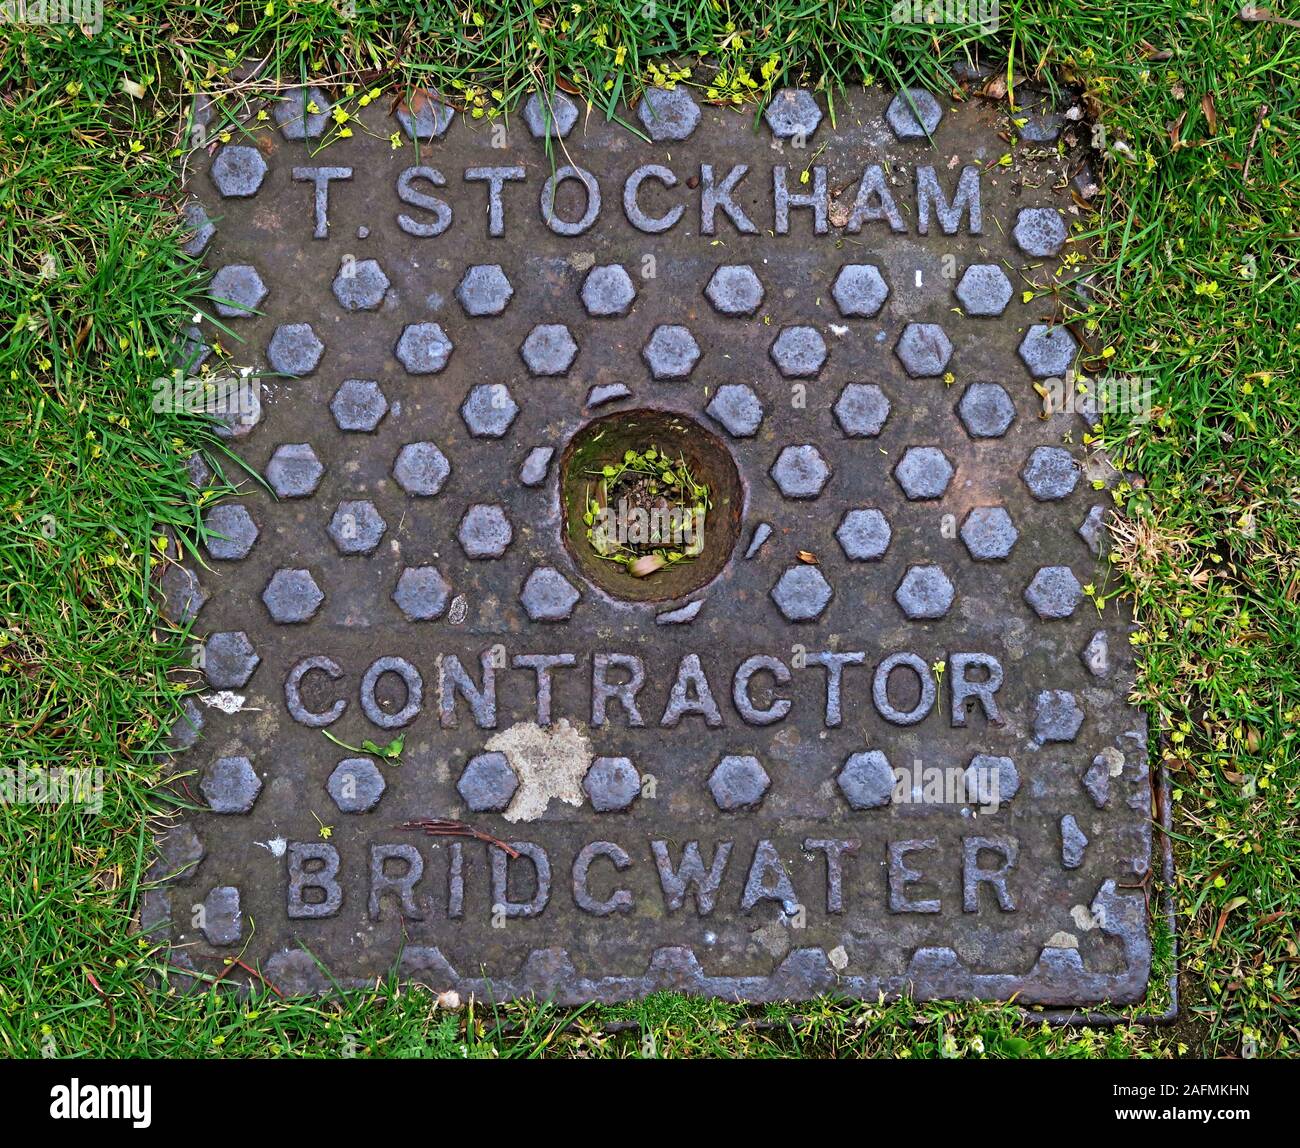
(885, 746)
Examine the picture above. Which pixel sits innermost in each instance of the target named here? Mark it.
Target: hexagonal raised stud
(554, 115)
(1074, 842)
(421, 593)
(430, 118)
(237, 291)
(222, 921)
(798, 352)
(549, 349)
(1057, 716)
(1040, 231)
(793, 113)
(991, 779)
(734, 289)
(294, 349)
(238, 171)
(989, 533)
(863, 534)
(737, 408)
(423, 348)
(230, 785)
(421, 468)
(802, 593)
(201, 228)
(1096, 654)
(356, 527)
(1048, 352)
(800, 471)
(1050, 473)
(866, 780)
(229, 659)
(536, 465)
(548, 596)
(190, 351)
(983, 290)
(611, 784)
(861, 410)
(188, 726)
(1054, 592)
(913, 114)
(671, 352)
(986, 410)
(294, 471)
(182, 595)
(302, 114)
(925, 592)
(485, 531)
(859, 290)
(668, 115)
(360, 285)
(1037, 122)
(484, 290)
(608, 290)
(923, 472)
(1093, 529)
(923, 349)
(230, 532)
(487, 783)
(738, 781)
(488, 410)
(239, 418)
(358, 405)
(356, 785)
(292, 596)
(603, 393)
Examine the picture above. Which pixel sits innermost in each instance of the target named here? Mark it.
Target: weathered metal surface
(704, 791)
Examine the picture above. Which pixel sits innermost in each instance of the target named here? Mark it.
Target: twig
(445, 827)
(1255, 15)
(112, 1015)
(1144, 885)
(1250, 148)
(232, 963)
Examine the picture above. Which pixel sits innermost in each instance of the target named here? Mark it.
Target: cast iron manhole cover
(875, 736)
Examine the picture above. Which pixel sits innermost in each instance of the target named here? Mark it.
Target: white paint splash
(550, 763)
(1085, 919)
(227, 701)
(276, 846)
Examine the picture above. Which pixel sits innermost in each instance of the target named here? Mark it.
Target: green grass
(1197, 292)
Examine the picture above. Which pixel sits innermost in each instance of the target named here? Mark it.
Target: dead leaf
(808, 556)
(1176, 130)
(1158, 55)
(1253, 14)
(1211, 115)
(645, 565)
(416, 101)
(996, 88)
(567, 86)
(1235, 903)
